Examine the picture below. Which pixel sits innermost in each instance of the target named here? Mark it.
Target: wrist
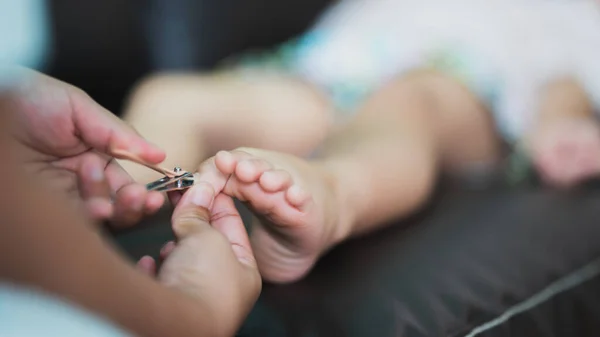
(171, 312)
(201, 312)
(198, 316)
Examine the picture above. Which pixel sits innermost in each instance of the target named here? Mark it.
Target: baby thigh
(192, 116)
(463, 128)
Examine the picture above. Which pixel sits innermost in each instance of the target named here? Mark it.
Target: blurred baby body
(511, 55)
(520, 58)
(505, 51)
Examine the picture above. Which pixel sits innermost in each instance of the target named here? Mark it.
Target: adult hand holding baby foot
(71, 141)
(212, 260)
(293, 199)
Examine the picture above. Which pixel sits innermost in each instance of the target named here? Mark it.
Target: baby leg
(407, 133)
(381, 166)
(564, 143)
(193, 116)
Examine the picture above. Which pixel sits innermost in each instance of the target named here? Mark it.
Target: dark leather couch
(478, 262)
(495, 261)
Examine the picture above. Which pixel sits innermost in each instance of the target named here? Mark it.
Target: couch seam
(562, 284)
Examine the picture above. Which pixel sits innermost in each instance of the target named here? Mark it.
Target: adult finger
(154, 201)
(132, 203)
(94, 183)
(105, 132)
(192, 214)
(119, 179)
(94, 187)
(227, 220)
(174, 197)
(129, 205)
(116, 175)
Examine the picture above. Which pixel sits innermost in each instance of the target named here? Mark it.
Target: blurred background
(104, 47)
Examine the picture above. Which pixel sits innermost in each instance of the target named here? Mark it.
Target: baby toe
(297, 196)
(275, 180)
(250, 170)
(225, 162)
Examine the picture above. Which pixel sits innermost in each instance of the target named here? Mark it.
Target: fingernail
(201, 195)
(242, 254)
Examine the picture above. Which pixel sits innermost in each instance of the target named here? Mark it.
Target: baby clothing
(27, 312)
(505, 51)
(24, 36)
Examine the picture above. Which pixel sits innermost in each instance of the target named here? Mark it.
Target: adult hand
(212, 259)
(69, 139)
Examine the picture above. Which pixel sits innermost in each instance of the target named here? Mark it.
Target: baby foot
(566, 152)
(293, 200)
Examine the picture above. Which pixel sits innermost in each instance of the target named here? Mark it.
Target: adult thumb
(192, 213)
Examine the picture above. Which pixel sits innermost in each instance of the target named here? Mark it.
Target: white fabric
(24, 36)
(24, 312)
(513, 45)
